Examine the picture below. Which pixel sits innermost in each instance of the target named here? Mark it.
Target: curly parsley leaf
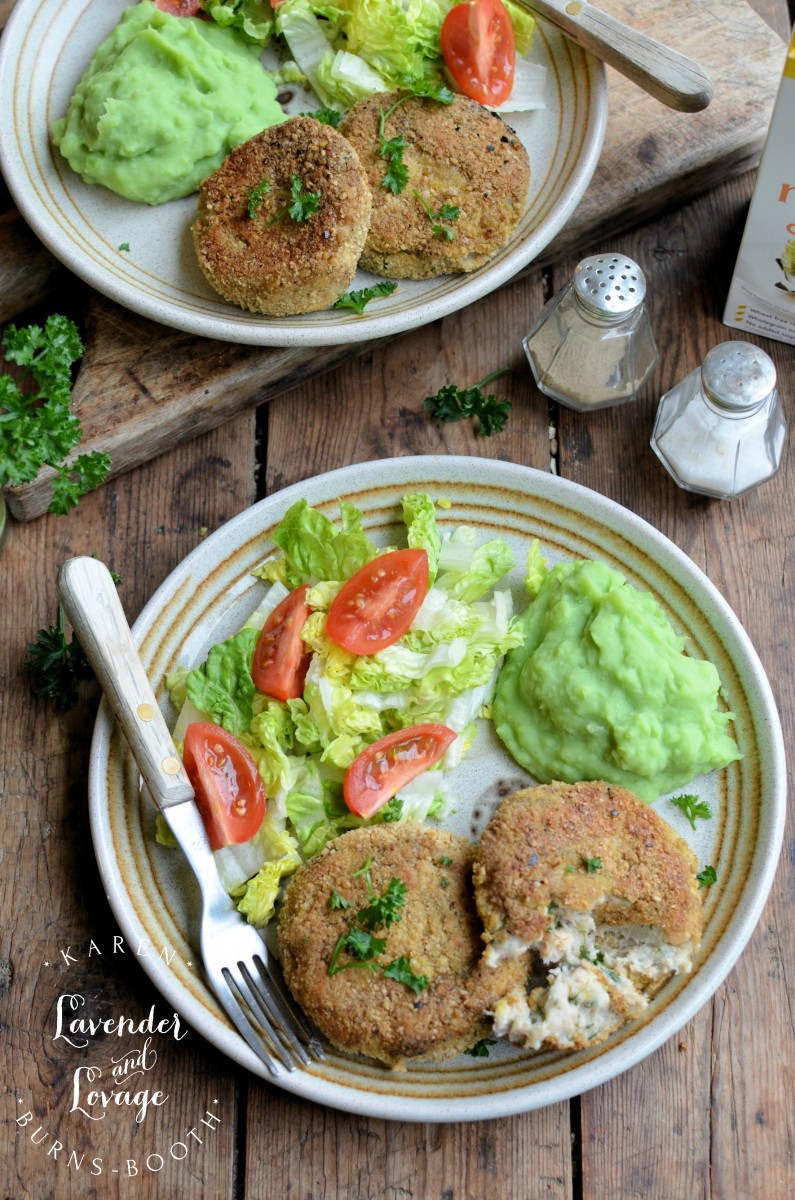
(302, 204)
(396, 175)
(384, 910)
(37, 427)
(55, 664)
(453, 404)
(257, 195)
(326, 116)
(357, 300)
(481, 1048)
(707, 877)
(402, 970)
(336, 901)
(693, 808)
(440, 220)
(592, 865)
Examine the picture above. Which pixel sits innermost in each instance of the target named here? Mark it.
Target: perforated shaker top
(611, 285)
(738, 375)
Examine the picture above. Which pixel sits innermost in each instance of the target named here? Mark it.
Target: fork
(244, 976)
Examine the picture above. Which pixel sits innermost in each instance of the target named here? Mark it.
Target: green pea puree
(601, 689)
(162, 102)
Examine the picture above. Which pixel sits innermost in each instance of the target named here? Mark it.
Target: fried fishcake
(461, 155)
(603, 890)
(364, 1011)
(248, 245)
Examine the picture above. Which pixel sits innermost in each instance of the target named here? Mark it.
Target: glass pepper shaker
(721, 431)
(593, 345)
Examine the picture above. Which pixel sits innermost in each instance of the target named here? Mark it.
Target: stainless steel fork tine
(243, 1026)
(263, 1003)
(292, 1018)
(259, 1015)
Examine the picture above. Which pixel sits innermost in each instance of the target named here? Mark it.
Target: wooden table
(710, 1114)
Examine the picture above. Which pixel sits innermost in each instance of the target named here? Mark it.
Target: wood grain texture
(134, 405)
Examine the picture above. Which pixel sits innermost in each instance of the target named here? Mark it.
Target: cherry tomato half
(377, 604)
(281, 658)
(179, 8)
(387, 765)
(479, 49)
(229, 789)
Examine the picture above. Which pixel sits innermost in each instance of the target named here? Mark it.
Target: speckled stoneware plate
(209, 596)
(44, 51)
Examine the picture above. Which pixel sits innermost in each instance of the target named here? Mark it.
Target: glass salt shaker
(721, 431)
(593, 345)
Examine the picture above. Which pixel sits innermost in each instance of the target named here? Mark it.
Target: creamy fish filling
(598, 980)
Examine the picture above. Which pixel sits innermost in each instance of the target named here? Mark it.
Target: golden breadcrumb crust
(459, 154)
(273, 264)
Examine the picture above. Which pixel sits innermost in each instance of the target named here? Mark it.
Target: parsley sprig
(360, 941)
(302, 204)
(440, 218)
(55, 664)
(357, 300)
(707, 877)
(257, 195)
(453, 404)
(391, 149)
(693, 808)
(37, 426)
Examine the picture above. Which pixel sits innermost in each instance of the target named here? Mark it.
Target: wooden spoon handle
(662, 72)
(92, 604)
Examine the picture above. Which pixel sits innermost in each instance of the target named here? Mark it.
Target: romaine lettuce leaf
(222, 686)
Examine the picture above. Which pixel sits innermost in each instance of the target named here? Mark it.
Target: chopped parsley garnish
(124, 246)
(453, 404)
(592, 865)
(392, 810)
(446, 861)
(693, 808)
(37, 427)
(707, 877)
(337, 901)
(327, 116)
(302, 204)
(396, 175)
(359, 940)
(257, 195)
(401, 970)
(357, 300)
(384, 910)
(598, 958)
(445, 883)
(481, 1048)
(440, 220)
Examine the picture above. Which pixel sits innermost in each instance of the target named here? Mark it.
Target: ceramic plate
(210, 595)
(44, 51)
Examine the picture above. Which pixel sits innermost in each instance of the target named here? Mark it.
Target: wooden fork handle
(92, 605)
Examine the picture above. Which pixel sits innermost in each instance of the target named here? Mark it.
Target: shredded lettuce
(253, 18)
(443, 669)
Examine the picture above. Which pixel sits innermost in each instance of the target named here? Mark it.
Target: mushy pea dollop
(601, 688)
(161, 104)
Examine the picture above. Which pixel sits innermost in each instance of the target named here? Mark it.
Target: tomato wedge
(281, 659)
(479, 49)
(179, 8)
(229, 789)
(377, 604)
(387, 765)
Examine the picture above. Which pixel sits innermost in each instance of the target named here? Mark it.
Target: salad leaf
(421, 528)
(252, 18)
(489, 563)
(258, 900)
(222, 687)
(315, 549)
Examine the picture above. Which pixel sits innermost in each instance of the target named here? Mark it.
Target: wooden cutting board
(143, 388)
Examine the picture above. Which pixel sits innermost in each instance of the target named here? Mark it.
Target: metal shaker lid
(610, 285)
(738, 375)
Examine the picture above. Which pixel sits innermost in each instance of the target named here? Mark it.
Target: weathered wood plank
(51, 893)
